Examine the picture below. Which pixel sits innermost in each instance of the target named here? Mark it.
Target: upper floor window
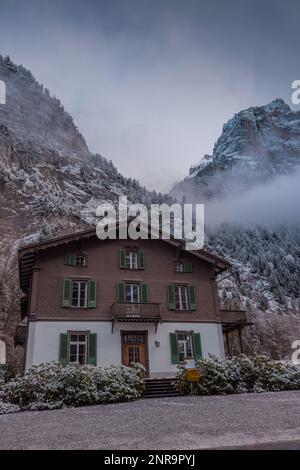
(182, 267)
(132, 293)
(178, 267)
(79, 293)
(80, 260)
(131, 259)
(75, 260)
(181, 297)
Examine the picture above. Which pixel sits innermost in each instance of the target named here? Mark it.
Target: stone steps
(159, 388)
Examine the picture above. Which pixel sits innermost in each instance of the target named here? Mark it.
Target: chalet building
(114, 301)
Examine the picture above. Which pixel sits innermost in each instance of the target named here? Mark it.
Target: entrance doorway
(135, 348)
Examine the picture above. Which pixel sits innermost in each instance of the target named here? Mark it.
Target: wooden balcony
(135, 312)
(233, 316)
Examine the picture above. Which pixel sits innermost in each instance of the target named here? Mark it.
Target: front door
(134, 348)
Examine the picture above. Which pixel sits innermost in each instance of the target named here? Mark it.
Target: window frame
(131, 264)
(181, 301)
(82, 257)
(132, 285)
(178, 263)
(78, 343)
(79, 282)
(184, 341)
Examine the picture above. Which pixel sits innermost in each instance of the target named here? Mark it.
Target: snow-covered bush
(6, 408)
(50, 386)
(119, 383)
(6, 373)
(2, 376)
(242, 374)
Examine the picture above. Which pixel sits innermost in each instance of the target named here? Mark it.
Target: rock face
(49, 181)
(256, 144)
(36, 121)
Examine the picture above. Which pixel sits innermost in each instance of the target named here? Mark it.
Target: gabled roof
(27, 253)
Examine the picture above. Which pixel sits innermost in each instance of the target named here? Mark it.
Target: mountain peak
(277, 105)
(34, 118)
(256, 144)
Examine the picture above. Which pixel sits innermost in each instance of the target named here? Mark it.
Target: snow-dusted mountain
(36, 121)
(256, 144)
(49, 181)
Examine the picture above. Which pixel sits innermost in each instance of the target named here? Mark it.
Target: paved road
(250, 420)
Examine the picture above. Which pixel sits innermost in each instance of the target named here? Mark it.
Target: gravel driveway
(162, 423)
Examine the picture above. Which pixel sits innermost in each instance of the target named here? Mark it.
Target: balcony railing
(232, 312)
(135, 312)
(233, 316)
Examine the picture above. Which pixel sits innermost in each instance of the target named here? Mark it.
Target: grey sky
(150, 83)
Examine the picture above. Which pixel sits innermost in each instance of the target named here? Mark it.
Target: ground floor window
(185, 346)
(78, 349)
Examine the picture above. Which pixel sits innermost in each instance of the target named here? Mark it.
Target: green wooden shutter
(63, 349)
(67, 293)
(188, 267)
(171, 297)
(192, 298)
(174, 348)
(141, 260)
(92, 349)
(144, 293)
(92, 294)
(121, 292)
(197, 346)
(122, 259)
(70, 260)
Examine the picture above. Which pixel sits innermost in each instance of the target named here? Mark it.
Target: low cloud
(277, 202)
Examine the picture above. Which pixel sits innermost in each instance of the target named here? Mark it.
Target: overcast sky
(151, 83)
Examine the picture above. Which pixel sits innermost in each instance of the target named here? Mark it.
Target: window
(185, 345)
(78, 348)
(181, 297)
(182, 267)
(80, 260)
(75, 260)
(79, 293)
(131, 260)
(134, 338)
(132, 293)
(178, 267)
